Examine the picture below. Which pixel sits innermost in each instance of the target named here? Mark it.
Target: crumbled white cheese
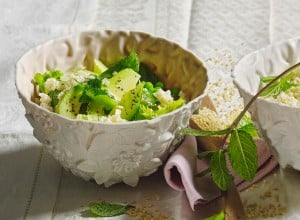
(105, 82)
(51, 84)
(70, 79)
(67, 82)
(164, 97)
(60, 95)
(45, 101)
(112, 118)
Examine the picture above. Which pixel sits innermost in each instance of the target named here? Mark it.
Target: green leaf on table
(276, 88)
(246, 124)
(218, 216)
(200, 133)
(104, 209)
(219, 170)
(242, 154)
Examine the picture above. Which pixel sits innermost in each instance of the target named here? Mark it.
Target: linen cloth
(183, 164)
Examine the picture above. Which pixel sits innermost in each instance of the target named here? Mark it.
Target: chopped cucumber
(131, 101)
(122, 82)
(93, 109)
(69, 105)
(99, 67)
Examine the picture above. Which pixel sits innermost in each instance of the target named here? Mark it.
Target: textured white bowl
(277, 123)
(111, 152)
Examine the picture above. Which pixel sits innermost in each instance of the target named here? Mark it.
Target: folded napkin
(183, 164)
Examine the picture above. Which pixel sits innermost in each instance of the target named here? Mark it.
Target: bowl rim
(125, 123)
(235, 73)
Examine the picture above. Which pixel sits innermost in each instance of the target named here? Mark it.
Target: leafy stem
(263, 89)
(241, 150)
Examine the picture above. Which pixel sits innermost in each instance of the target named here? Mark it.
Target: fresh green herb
(219, 170)
(175, 93)
(218, 216)
(242, 154)
(131, 61)
(147, 74)
(241, 150)
(247, 125)
(104, 209)
(54, 97)
(40, 79)
(149, 113)
(159, 85)
(281, 85)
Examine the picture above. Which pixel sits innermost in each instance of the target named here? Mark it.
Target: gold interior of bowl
(175, 66)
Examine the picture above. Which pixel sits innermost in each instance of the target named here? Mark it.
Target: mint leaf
(246, 124)
(267, 79)
(277, 87)
(104, 209)
(250, 129)
(199, 133)
(131, 61)
(218, 216)
(54, 97)
(219, 171)
(242, 154)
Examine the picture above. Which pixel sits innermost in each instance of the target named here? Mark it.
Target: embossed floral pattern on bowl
(111, 152)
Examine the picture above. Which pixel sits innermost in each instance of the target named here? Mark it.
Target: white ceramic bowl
(111, 152)
(278, 124)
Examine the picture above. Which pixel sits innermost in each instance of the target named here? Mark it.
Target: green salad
(126, 91)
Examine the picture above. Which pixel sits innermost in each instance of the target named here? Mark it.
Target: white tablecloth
(220, 32)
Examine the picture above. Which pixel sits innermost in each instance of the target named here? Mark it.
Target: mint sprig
(241, 150)
(242, 153)
(281, 85)
(247, 125)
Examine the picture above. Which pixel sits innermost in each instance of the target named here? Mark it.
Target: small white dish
(278, 124)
